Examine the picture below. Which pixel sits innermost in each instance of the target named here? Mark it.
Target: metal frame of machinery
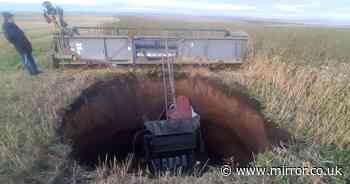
(114, 46)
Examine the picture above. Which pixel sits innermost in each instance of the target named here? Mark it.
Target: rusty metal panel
(118, 49)
(88, 48)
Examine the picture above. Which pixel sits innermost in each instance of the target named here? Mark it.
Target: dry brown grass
(312, 102)
(56, 90)
(295, 75)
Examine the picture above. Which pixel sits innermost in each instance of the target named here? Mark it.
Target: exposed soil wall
(107, 115)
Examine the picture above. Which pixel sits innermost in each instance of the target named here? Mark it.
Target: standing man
(17, 37)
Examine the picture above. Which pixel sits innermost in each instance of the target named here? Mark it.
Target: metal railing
(116, 45)
(170, 32)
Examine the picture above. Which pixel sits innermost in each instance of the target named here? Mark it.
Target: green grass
(302, 45)
(300, 75)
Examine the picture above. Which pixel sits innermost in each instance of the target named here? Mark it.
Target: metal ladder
(168, 80)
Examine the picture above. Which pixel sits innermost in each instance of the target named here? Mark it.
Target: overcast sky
(338, 10)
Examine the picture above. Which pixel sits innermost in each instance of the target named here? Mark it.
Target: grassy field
(300, 76)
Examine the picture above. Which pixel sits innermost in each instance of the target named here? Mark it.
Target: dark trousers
(29, 63)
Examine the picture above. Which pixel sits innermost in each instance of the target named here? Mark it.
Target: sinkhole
(103, 121)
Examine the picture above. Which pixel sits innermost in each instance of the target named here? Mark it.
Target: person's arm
(9, 35)
(22, 39)
(18, 31)
(47, 17)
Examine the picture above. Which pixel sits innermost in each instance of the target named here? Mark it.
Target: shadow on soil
(106, 116)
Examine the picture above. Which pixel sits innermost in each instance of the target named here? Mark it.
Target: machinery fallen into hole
(170, 142)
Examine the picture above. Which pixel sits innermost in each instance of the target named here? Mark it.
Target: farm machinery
(117, 46)
(91, 45)
(170, 142)
(114, 47)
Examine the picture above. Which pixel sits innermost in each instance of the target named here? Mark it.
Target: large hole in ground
(105, 118)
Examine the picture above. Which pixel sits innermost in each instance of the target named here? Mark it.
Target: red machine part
(183, 109)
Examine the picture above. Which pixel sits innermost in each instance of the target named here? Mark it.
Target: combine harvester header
(96, 45)
(129, 46)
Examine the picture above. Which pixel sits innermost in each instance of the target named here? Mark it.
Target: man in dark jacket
(17, 37)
